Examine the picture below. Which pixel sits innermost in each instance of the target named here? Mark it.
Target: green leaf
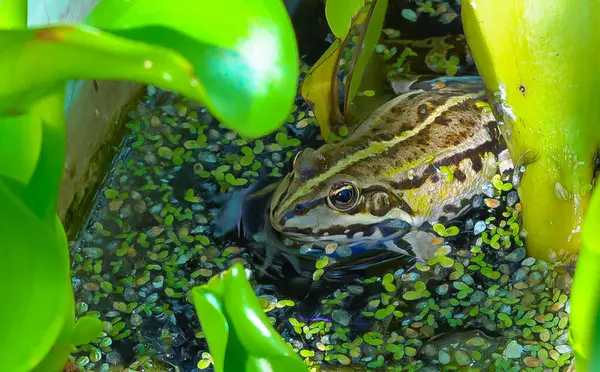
(20, 139)
(341, 14)
(40, 191)
(246, 76)
(452, 231)
(440, 229)
(369, 38)
(319, 89)
(239, 334)
(461, 286)
(38, 286)
(13, 14)
(409, 15)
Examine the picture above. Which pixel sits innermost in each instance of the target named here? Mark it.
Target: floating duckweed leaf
(452, 231)
(317, 274)
(165, 152)
(111, 193)
(189, 196)
(203, 364)
(446, 262)
(419, 292)
(87, 329)
(284, 303)
(235, 181)
(506, 319)
(461, 286)
(391, 33)
(487, 271)
(373, 338)
(389, 287)
(439, 229)
(259, 147)
(322, 262)
(388, 278)
(409, 15)
(190, 145)
(248, 157)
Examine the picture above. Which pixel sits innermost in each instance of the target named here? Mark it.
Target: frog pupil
(344, 196)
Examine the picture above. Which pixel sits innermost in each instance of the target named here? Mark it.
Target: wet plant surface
(480, 303)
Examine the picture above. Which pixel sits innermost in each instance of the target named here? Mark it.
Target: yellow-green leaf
(340, 15)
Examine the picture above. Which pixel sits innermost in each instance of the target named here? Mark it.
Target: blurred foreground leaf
(37, 287)
(239, 58)
(238, 332)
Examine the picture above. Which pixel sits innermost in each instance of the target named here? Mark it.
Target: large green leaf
(239, 334)
(36, 288)
(13, 13)
(20, 139)
(237, 57)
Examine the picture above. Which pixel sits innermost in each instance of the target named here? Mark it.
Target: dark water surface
(481, 303)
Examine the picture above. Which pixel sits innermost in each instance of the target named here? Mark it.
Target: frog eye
(343, 196)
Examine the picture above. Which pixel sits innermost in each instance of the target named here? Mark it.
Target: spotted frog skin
(416, 160)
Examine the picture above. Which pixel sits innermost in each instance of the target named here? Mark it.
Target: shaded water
(149, 240)
(481, 303)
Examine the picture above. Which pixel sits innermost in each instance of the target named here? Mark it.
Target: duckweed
(141, 260)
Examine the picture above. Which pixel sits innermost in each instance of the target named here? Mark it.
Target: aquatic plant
(540, 73)
(246, 76)
(320, 88)
(537, 71)
(238, 332)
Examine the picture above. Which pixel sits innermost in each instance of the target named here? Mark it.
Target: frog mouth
(351, 236)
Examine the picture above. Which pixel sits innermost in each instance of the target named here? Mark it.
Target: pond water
(480, 305)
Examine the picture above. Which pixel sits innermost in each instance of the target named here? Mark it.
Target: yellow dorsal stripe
(377, 147)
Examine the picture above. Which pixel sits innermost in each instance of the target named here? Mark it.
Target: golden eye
(343, 196)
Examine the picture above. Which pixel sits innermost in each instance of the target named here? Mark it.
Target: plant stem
(13, 14)
(537, 60)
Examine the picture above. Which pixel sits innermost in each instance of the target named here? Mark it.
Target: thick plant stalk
(538, 60)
